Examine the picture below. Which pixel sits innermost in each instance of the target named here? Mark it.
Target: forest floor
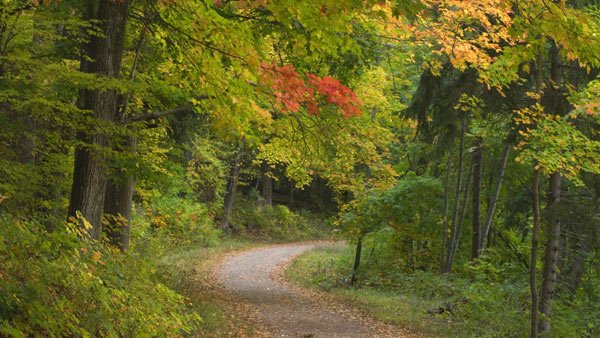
(253, 286)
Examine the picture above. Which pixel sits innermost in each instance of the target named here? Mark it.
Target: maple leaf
(292, 91)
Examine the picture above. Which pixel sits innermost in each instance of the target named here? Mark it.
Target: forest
(407, 168)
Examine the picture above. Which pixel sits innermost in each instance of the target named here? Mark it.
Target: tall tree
(477, 160)
(102, 56)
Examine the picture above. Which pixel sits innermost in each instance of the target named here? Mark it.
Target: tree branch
(154, 115)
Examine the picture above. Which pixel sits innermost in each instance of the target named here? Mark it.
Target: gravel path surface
(252, 277)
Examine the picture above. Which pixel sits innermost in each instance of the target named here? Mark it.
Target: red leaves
(288, 87)
(292, 91)
(337, 94)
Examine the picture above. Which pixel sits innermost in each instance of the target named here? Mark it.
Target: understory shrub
(276, 222)
(181, 220)
(62, 284)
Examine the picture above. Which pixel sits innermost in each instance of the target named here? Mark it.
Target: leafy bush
(182, 220)
(439, 305)
(62, 284)
(275, 222)
(206, 172)
(399, 222)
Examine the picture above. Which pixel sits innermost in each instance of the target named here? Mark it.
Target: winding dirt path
(253, 278)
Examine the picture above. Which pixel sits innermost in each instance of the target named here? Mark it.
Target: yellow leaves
(262, 114)
(370, 89)
(528, 116)
(555, 144)
(159, 221)
(537, 96)
(468, 103)
(251, 4)
(466, 31)
(587, 102)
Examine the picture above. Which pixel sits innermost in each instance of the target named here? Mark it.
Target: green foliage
(448, 306)
(207, 172)
(62, 284)
(275, 222)
(556, 145)
(412, 208)
(180, 220)
(204, 57)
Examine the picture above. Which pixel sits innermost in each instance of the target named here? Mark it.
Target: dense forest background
(453, 144)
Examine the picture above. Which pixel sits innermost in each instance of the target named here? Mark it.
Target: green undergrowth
(60, 283)
(483, 299)
(57, 282)
(423, 302)
(276, 223)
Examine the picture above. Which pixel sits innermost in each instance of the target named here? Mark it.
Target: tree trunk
(489, 218)
(119, 195)
(446, 208)
(476, 217)
(448, 263)
(577, 268)
(459, 224)
(90, 173)
(117, 205)
(556, 103)
(534, 254)
(232, 182)
(551, 255)
(356, 260)
(266, 183)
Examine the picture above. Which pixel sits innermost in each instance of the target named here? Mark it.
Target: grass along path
(191, 273)
(327, 270)
(253, 279)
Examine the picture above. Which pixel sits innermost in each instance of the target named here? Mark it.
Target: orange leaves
(469, 33)
(292, 91)
(43, 2)
(96, 257)
(591, 108)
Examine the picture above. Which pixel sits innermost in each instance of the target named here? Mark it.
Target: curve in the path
(250, 276)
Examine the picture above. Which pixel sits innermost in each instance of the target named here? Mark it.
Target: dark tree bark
(489, 218)
(356, 260)
(119, 192)
(457, 233)
(117, 206)
(476, 213)
(551, 255)
(90, 172)
(577, 268)
(266, 183)
(448, 263)
(555, 102)
(446, 208)
(232, 182)
(534, 254)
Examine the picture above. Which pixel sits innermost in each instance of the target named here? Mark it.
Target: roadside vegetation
(476, 301)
